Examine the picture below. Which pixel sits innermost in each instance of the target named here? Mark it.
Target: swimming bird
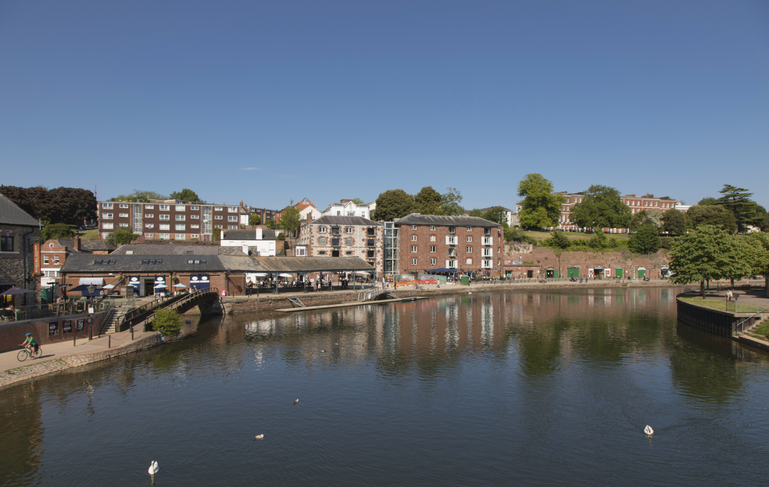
(154, 468)
(648, 430)
(296, 401)
(259, 437)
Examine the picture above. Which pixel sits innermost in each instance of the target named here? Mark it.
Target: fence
(32, 312)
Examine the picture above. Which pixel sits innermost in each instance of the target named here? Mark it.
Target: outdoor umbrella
(109, 286)
(179, 285)
(16, 290)
(160, 286)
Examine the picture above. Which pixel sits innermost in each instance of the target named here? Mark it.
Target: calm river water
(519, 388)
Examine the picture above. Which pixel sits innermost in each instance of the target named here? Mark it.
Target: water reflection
(468, 389)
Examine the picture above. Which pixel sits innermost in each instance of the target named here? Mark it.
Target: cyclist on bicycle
(30, 343)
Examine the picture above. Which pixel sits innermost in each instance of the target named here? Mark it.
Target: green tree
(712, 215)
(601, 207)
(645, 241)
(540, 207)
(674, 222)
(497, 214)
(763, 221)
(598, 240)
(290, 219)
(759, 260)
(704, 254)
(450, 202)
(557, 240)
(72, 206)
(271, 224)
(737, 200)
(167, 322)
(393, 203)
(254, 219)
(358, 201)
(140, 196)
(55, 231)
(121, 236)
(186, 195)
(217, 234)
(475, 212)
(708, 200)
(428, 202)
(646, 217)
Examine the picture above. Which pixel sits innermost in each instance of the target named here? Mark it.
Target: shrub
(666, 242)
(167, 322)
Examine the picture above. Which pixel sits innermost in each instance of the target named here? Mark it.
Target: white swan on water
(648, 430)
(154, 467)
(259, 437)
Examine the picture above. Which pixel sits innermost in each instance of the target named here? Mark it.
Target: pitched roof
(343, 220)
(10, 214)
(153, 249)
(267, 234)
(450, 221)
(136, 263)
(294, 264)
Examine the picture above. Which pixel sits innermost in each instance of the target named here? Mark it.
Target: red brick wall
(13, 334)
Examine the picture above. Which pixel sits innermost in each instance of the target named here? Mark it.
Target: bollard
(109, 341)
(132, 333)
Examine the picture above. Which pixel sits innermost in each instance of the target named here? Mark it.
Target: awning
(87, 281)
(285, 275)
(362, 273)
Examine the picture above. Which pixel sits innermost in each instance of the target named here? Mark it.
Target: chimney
(77, 243)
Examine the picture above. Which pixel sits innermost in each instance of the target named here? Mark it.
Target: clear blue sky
(271, 101)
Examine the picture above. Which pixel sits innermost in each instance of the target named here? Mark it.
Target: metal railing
(67, 308)
(742, 322)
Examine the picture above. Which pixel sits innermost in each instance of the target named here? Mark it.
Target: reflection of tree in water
(713, 377)
(20, 436)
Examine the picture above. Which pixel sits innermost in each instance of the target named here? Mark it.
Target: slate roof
(332, 220)
(133, 263)
(96, 245)
(126, 264)
(446, 221)
(10, 214)
(152, 249)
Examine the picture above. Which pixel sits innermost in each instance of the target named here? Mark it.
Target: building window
(164, 207)
(413, 248)
(106, 206)
(45, 258)
(218, 208)
(165, 236)
(195, 217)
(486, 264)
(432, 227)
(107, 226)
(321, 229)
(107, 216)
(180, 208)
(348, 229)
(123, 215)
(348, 241)
(180, 218)
(218, 217)
(413, 227)
(218, 226)
(469, 238)
(469, 261)
(432, 261)
(451, 264)
(149, 207)
(432, 238)
(194, 208)
(165, 218)
(469, 250)
(149, 225)
(413, 238)
(414, 261)
(322, 241)
(194, 235)
(124, 206)
(432, 249)
(301, 252)
(149, 235)
(149, 215)
(164, 226)
(452, 252)
(232, 209)
(232, 227)
(469, 229)
(451, 240)
(370, 254)
(232, 218)
(181, 227)
(452, 230)
(194, 226)
(179, 236)
(322, 252)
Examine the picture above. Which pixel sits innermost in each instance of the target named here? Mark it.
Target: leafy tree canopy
(706, 253)
(557, 240)
(393, 203)
(475, 212)
(599, 240)
(759, 260)
(646, 217)
(711, 215)
(708, 200)
(601, 207)
(497, 214)
(674, 222)
(645, 241)
(254, 219)
(450, 202)
(271, 224)
(358, 201)
(428, 202)
(121, 236)
(290, 219)
(73, 206)
(140, 196)
(186, 195)
(55, 231)
(167, 322)
(540, 207)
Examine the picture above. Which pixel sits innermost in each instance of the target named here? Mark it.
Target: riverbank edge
(27, 372)
(707, 312)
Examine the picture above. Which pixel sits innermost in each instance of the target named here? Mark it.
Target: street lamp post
(702, 283)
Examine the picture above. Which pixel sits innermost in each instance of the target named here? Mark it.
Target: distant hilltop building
(174, 219)
(635, 203)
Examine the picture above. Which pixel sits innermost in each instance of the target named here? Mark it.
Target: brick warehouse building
(462, 243)
(342, 236)
(18, 233)
(172, 219)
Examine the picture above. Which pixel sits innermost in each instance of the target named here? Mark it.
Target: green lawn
(719, 304)
(575, 235)
(90, 235)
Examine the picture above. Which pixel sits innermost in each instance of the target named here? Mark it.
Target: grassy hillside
(576, 235)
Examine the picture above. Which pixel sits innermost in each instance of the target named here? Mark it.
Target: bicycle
(25, 353)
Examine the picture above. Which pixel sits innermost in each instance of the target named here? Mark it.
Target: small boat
(406, 300)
